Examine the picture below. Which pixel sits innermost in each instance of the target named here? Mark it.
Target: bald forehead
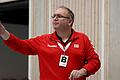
(62, 11)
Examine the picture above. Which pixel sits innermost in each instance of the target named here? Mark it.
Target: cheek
(65, 23)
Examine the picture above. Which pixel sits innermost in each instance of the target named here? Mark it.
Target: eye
(59, 16)
(53, 16)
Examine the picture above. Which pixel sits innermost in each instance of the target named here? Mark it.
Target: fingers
(77, 73)
(74, 74)
(2, 29)
(71, 76)
(1, 25)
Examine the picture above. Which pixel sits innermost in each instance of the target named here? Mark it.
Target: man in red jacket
(63, 55)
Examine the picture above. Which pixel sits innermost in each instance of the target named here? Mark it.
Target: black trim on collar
(61, 38)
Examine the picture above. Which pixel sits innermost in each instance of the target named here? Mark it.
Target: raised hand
(3, 32)
(2, 29)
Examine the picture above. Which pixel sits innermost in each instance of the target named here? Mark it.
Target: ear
(70, 22)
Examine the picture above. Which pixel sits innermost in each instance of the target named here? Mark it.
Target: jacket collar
(55, 38)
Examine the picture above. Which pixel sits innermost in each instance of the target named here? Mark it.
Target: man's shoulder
(44, 36)
(81, 34)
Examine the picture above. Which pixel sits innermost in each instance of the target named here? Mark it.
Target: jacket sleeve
(26, 47)
(92, 64)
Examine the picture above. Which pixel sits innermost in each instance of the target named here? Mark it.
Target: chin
(55, 27)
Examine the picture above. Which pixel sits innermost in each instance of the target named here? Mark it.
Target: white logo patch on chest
(76, 46)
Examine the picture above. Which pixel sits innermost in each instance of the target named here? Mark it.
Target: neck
(64, 34)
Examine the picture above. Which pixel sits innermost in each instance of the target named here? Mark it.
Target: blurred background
(14, 14)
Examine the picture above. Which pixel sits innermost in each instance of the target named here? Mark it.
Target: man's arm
(92, 63)
(26, 47)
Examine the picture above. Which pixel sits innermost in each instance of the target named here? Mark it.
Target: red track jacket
(80, 52)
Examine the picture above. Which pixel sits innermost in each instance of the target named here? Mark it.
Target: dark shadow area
(15, 12)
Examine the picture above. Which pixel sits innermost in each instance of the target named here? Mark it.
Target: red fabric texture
(81, 54)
